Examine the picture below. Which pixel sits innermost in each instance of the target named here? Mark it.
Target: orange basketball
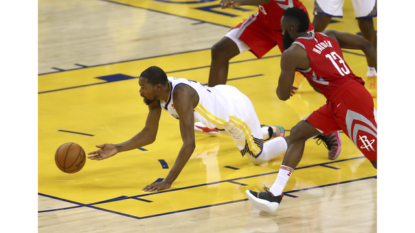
(70, 157)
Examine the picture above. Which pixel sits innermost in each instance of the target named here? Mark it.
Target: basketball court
(90, 55)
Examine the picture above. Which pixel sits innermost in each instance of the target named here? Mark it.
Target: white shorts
(243, 124)
(241, 45)
(334, 8)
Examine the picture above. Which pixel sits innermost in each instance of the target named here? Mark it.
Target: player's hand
(293, 90)
(157, 186)
(106, 150)
(229, 3)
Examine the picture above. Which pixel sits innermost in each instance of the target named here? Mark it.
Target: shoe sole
(206, 130)
(339, 147)
(282, 131)
(262, 204)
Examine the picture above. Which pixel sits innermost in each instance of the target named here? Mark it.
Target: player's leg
(318, 122)
(324, 10)
(245, 128)
(320, 22)
(358, 118)
(251, 35)
(367, 28)
(221, 53)
(365, 11)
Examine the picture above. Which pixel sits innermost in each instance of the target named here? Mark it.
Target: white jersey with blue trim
(213, 109)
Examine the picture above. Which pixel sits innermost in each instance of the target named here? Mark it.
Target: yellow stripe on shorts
(209, 116)
(247, 132)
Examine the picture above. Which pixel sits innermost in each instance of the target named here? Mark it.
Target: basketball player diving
(222, 106)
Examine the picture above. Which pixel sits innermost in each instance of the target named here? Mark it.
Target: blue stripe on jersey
(171, 94)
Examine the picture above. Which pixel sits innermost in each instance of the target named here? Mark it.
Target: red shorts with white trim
(259, 37)
(350, 109)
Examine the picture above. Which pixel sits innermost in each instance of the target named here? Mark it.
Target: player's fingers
(93, 153)
(93, 157)
(100, 146)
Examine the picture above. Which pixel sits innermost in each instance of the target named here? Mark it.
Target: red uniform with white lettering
(349, 105)
(262, 31)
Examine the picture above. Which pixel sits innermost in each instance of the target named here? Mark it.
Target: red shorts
(260, 37)
(350, 109)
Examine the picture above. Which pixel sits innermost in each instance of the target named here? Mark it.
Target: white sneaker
(264, 200)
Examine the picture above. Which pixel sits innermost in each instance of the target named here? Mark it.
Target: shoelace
(327, 142)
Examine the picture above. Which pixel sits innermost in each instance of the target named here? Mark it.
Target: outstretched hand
(157, 186)
(106, 150)
(293, 90)
(229, 4)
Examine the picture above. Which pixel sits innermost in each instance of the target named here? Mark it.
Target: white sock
(265, 132)
(282, 178)
(273, 148)
(371, 71)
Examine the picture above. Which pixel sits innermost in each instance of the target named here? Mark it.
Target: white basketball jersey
(213, 109)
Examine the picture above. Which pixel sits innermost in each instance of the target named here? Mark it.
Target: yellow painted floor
(100, 103)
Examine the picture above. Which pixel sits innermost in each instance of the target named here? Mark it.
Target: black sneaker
(265, 201)
(332, 142)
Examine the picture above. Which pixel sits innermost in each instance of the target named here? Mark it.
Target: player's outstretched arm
(185, 100)
(144, 137)
(235, 3)
(350, 41)
(292, 59)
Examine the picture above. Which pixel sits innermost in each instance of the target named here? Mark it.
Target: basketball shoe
(274, 131)
(332, 142)
(265, 201)
(199, 126)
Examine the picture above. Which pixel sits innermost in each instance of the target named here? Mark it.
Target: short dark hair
(154, 75)
(298, 15)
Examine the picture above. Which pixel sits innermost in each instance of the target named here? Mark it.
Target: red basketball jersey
(328, 70)
(271, 12)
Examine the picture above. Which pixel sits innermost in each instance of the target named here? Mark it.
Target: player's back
(328, 70)
(213, 109)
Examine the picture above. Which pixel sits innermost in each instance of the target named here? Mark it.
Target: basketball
(70, 157)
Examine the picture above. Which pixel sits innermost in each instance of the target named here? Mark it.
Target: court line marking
(66, 131)
(289, 195)
(118, 62)
(59, 69)
(240, 178)
(234, 168)
(195, 208)
(323, 165)
(216, 182)
(180, 16)
(163, 163)
(157, 56)
(233, 182)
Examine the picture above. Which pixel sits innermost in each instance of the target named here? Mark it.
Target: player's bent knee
(225, 49)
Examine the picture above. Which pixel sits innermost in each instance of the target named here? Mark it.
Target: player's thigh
(256, 34)
(232, 36)
(358, 119)
(333, 8)
(365, 8)
(323, 120)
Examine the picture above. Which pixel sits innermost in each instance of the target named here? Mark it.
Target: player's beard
(147, 101)
(286, 41)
